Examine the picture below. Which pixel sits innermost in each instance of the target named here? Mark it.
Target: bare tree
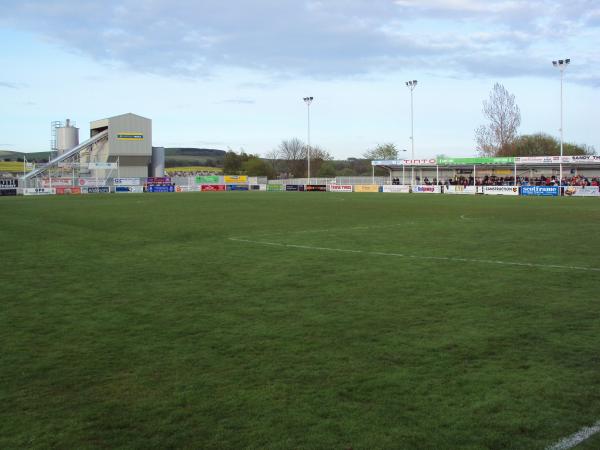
(293, 154)
(273, 157)
(317, 156)
(504, 119)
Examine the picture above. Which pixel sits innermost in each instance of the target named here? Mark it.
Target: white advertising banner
(577, 159)
(460, 190)
(39, 191)
(262, 187)
(582, 159)
(582, 191)
(184, 188)
(405, 162)
(126, 181)
(501, 190)
(91, 182)
(340, 188)
(426, 189)
(52, 182)
(396, 188)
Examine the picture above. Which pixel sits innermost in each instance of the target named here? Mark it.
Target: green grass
(134, 322)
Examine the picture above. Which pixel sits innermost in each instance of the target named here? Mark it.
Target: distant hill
(174, 157)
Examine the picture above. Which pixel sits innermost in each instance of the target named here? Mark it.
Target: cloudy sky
(232, 74)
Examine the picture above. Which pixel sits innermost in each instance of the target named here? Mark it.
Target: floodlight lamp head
(567, 61)
(415, 82)
(554, 63)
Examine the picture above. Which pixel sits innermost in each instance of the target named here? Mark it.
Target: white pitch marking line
(401, 255)
(576, 438)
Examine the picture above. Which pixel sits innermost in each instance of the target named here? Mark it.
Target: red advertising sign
(63, 190)
(212, 187)
(55, 182)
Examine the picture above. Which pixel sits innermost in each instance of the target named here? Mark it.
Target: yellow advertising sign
(366, 188)
(129, 136)
(236, 179)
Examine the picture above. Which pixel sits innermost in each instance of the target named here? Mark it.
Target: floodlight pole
(412, 84)
(308, 101)
(561, 65)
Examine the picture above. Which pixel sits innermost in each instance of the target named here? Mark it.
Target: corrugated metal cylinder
(67, 137)
(158, 161)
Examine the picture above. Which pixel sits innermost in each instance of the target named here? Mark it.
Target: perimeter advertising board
(212, 187)
(460, 190)
(8, 192)
(340, 188)
(274, 187)
(129, 189)
(9, 183)
(158, 180)
(237, 187)
(39, 191)
(235, 179)
(183, 188)
(54, 182)
(582, 191)
(396, 188)
(366, 188)
(316, 188)
(426, 189)
(102, 166)
(545, 191)
(95, 190)
(160, 188)
(292, 187)
(68, 190)
(501, 190)
(126, 181)
(207, 179)
(91, 182)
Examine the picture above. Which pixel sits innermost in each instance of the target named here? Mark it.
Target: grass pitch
(331, 321)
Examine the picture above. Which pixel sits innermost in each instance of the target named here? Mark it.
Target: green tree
(327, 170)
(257, 167)
(232, 163)
(386, 151)
(541, 144)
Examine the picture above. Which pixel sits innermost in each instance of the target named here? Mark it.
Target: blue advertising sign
(547, 191)
(161, 188)
(237, 187)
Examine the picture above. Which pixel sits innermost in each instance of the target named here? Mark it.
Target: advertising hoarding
(8, 192)
(292, 187)
(9, 183)
(426, 189)
(68, 190)
(126, 181)
(460, 190)
(501, 190)
(95, 190)
(160, 188)
(545, 191)
(129, 189)
(102, 166)
(582, 191)
(39, 191)
(158, 180)
(54, 182)
(207, 179)
(394, 188)
(235, 179)
(183, 188)
(316, 188)
(91, 182)
(474, 161)
(274, 187)
(340, 188)
(237, 187)
(366, 188)
(212, 187)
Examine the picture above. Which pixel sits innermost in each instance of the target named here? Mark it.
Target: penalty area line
(576, 438)
(402, 255)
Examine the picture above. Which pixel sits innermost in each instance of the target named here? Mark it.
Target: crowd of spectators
(508, 181)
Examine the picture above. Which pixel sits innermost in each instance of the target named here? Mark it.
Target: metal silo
(67, 137)
(158, 161)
